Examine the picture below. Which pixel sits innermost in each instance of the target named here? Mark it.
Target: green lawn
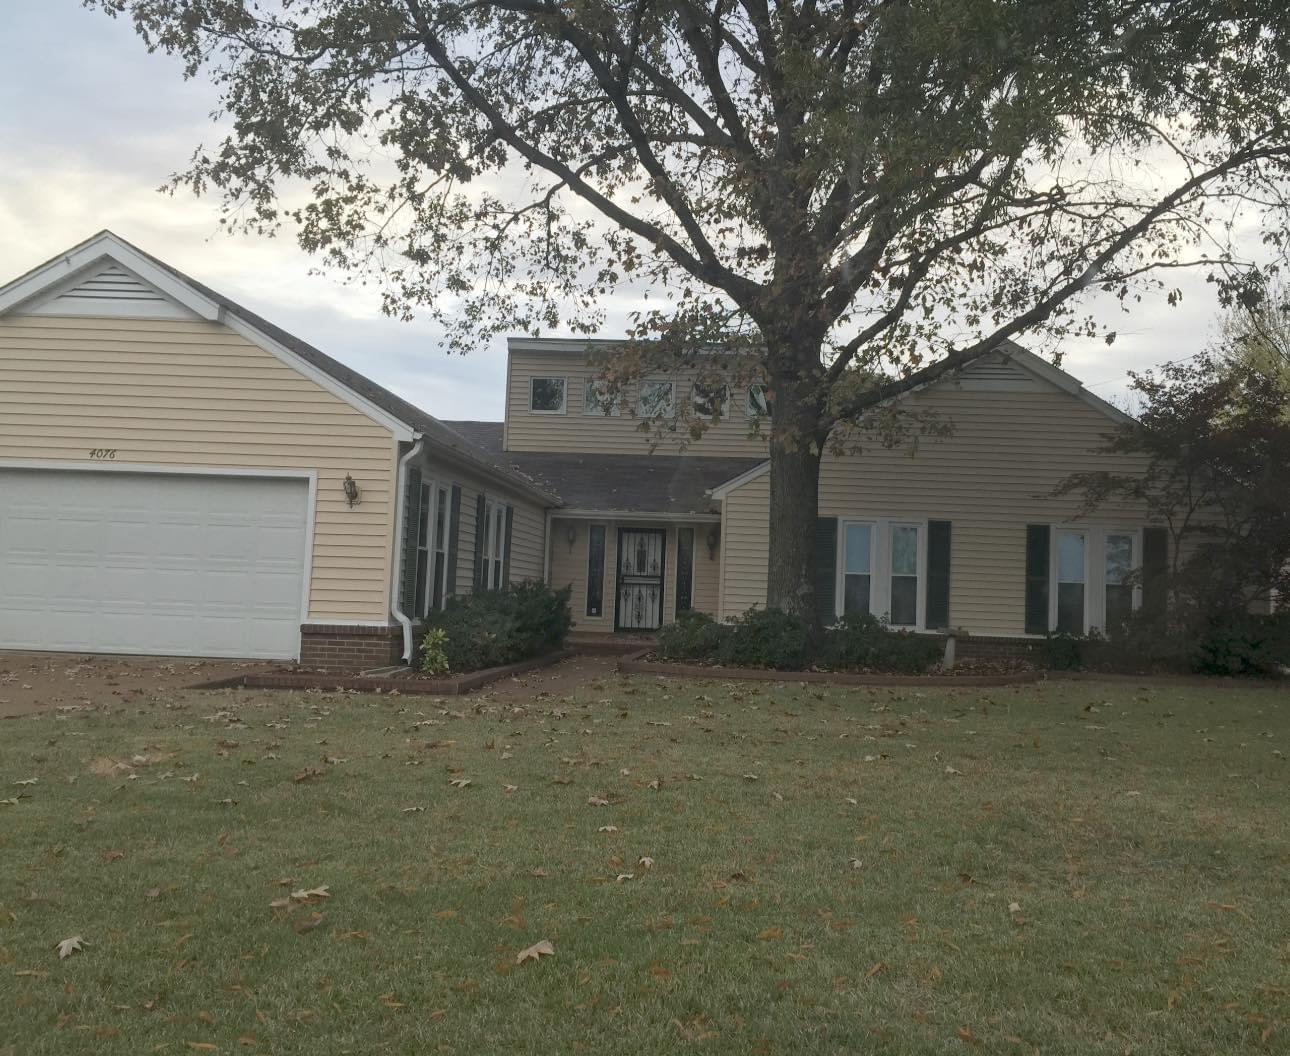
(1075, 868)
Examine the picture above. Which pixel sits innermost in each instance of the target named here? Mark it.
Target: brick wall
(974, 647)
(342, 649)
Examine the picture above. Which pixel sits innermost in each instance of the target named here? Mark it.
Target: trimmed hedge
(774, 639)
(496, 627)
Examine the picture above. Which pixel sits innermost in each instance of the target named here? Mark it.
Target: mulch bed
(406, 682)
(647, 663)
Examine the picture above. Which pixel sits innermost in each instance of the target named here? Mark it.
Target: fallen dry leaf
(951, 770)
(535, 952)
(313, 894)
(647, 863)
(460, 782)
(608, 828)
(598, 801)
(69, 946)
(509, 788)
(1014, 907)
(622, 877)
(112, 856)
(307, 774)
(770, 933)
(202, 1046)
(26, 781)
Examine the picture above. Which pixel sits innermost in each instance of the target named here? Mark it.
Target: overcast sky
(92, 126)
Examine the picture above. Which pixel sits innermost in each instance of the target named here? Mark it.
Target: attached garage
(160, 563)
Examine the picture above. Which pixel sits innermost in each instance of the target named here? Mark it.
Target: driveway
(42, 681)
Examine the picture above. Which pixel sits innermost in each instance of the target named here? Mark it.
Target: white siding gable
(108, 289)
(995, 373)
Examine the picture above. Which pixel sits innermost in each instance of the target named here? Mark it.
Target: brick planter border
(405, 685)
(636, 664)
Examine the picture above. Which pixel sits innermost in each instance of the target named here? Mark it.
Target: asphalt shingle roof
(674, 484)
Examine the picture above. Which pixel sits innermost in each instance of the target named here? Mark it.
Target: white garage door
(147, 563)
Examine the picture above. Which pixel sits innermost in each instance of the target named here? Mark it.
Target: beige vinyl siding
(745, 547)
(610, 435)
(528, 523)
(569, 568)
(990, 479)
(180, 393)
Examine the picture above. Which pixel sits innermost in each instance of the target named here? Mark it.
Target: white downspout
(401, 486)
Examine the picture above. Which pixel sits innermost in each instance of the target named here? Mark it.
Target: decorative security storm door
(640, 579)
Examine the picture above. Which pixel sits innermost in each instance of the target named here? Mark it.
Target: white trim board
(628, 515)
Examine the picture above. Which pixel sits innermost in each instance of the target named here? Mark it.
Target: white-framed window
(424, 503)
(657, 398)
(1093, 577)
(1068, 601)
(882, 570)
(439, 587)
(599, 400)
(548, 395)
(494, 544)
(857, 567)
(710, 399)
(757, 404)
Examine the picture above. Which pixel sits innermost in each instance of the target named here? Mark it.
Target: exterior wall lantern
(714, 541)
(571, 537)
(353, 493)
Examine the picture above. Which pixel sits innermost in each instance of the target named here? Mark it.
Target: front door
(641, 557)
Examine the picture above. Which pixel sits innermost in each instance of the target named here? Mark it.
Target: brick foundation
(342, 649)
(980, 647)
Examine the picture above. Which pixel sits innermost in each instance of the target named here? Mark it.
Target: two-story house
(180, 476)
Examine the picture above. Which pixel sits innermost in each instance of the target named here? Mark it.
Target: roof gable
(106, 268)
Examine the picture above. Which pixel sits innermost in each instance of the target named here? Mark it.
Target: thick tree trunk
(795, 449)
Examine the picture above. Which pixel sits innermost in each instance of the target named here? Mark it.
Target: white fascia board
(92, 252)
(722, 490)
(628, 515)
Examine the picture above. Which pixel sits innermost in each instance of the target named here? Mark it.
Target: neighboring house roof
(666, 484)
(212, 305)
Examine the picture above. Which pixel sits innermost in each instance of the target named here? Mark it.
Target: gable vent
(995, 374)
(113, 291)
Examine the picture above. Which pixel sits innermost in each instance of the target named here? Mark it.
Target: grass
(1072, 868)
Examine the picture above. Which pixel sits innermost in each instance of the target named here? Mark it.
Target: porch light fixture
(352, 491)
(714, 540)
(571, 537)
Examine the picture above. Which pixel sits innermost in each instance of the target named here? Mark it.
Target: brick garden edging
(636, 664)
(405, 685)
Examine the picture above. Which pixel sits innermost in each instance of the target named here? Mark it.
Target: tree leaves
(67, 947)
(536, 952)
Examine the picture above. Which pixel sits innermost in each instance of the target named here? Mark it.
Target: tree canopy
(841, 189)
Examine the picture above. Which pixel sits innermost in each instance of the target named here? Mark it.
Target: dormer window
(656, 399)
(547, 395)
(711, 399)
(600, 401)
(758, 401)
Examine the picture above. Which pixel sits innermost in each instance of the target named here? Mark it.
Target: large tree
(856, 194)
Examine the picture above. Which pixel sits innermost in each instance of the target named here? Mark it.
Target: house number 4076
(108, 453)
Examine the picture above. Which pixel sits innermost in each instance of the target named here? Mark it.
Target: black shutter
(1037, 544)
(684, 569)
(408, 571)
(454, 537)
(826, 569)
(595, 569)
(479, 544)
(937, 606)
(506, 547)
(1155, 571)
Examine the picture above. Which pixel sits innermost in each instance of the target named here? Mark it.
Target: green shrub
(694, 636)
(766, 638)
(434, 655)
(859, 642)
(499, 627)
(1243, 645)
(1063, 652)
